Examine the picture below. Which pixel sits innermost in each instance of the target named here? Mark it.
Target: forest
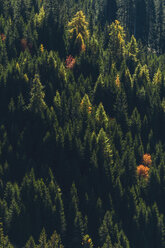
(82, 117)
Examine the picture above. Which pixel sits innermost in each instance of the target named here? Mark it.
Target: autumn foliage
(78, 30)
(42, 48)
(142, 171)
(83, 47)
(86, 104)
(3, 37)
(25, 45)
(87, 242)
(147, 159)
(70, 62)
(117, 81)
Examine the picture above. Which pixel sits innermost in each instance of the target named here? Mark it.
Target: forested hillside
(82, 116)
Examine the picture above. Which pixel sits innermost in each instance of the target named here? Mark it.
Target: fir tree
(37, 103)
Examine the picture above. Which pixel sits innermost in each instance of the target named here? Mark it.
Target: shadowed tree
(4, 241)
(55, 241)
(30, 243)
(37, 103)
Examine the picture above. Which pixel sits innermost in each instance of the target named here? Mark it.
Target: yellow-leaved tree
(78, 31)
(117, 40)
(132, 46)
(39, 18)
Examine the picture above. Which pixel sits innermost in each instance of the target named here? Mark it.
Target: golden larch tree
(78, 29)
(117, 40)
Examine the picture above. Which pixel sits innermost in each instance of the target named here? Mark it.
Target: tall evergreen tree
(37, 103)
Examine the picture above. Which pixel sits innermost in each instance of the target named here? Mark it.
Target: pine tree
(120, 108)
(117, 41)
(43, 240)
(107, 243)
(87, 242)
(60, 215)
(37, 103)
(129, 164)
(101, 117)
(135, 122)
(104, 144)
(85, 105)
(157, 79)
(39, 18)
(78, 30)
(133, 47)
(30, 243)
(4, 241)
(78, 230)
(55, 241)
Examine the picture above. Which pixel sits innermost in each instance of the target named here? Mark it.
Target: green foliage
(37, 103)
(117, 40)
(39, 18)
(55, 241)
(101, 117)
(72, 141)
(30, 243)
(87, 242)
(4, 241)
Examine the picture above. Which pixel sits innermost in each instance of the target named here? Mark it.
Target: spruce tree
(37, 103)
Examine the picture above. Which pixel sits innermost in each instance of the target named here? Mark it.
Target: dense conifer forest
(82, 124)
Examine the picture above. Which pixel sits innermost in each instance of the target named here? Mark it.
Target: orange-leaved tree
(117, 81)
(143, 171)
(147, 159)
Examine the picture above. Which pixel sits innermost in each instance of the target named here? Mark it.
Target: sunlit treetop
(87, 242)
(133, 47)
(157, 77)
(86, 104)
(78, 29)
(147, 159)
(143, 171)
(117, 81)
(39, 18)
(78, 25)
(117, 39)
(41, 48)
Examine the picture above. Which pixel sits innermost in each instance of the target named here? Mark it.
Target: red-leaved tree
(70, 62)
